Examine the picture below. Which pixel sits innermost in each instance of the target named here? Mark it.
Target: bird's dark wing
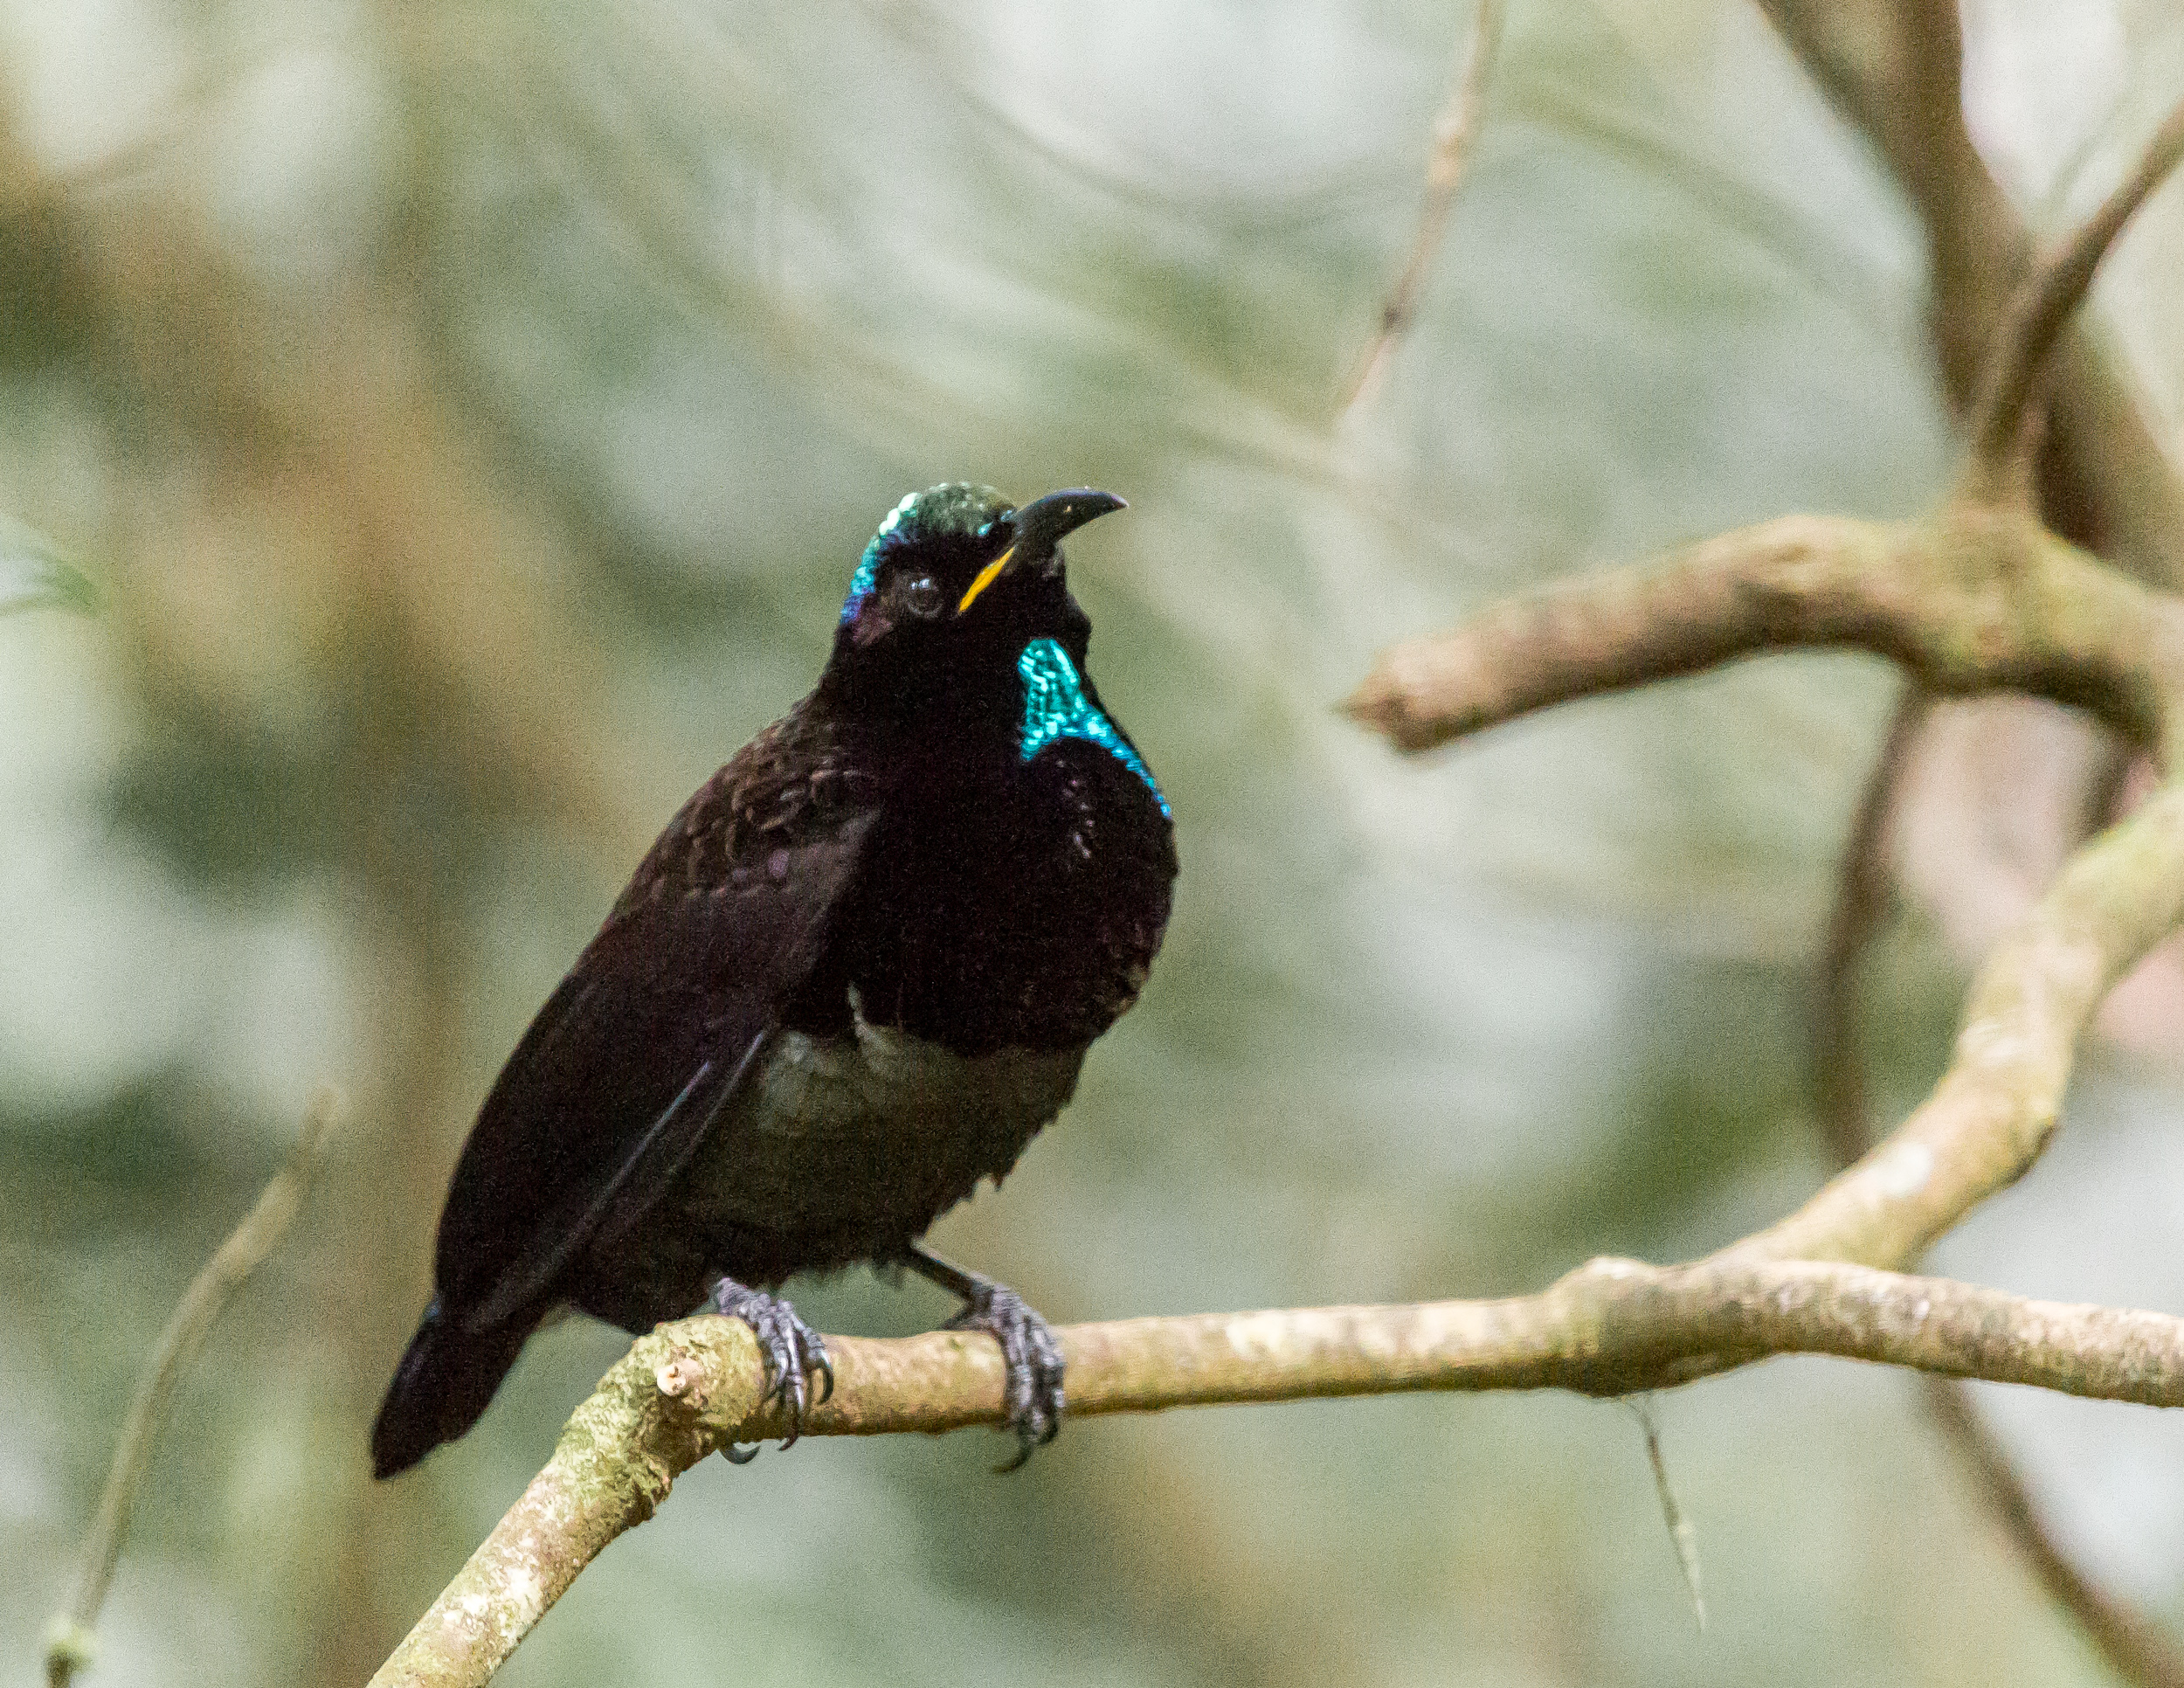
(613, 1088)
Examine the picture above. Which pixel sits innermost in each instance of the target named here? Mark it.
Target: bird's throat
(1055, 707)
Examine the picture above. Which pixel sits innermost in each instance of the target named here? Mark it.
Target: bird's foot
(794, 1354)
(1034, 1392)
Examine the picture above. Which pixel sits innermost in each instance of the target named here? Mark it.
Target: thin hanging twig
(70, 1637)
(1455, 132)
(1682, 1536)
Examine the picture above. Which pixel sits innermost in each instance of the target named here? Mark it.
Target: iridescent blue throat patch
(1055, 707)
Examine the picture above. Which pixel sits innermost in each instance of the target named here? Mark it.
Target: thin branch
(1860, 902)
(2049, 299)
(1611, 1327)
(2137, 1650)
(675, 1397)
(70, 1638)
(1893, 69)
(1682, 1536)
(1994, 1111)
(1456, 132)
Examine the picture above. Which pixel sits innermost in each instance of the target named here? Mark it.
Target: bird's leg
(1034, 1396)
(794, 1354)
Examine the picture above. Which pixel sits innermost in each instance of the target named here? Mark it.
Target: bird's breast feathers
(905, 1128)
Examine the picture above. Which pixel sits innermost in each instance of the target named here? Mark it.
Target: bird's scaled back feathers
(635, 1054)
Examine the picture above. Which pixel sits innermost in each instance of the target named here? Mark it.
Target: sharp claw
(826, 1372)
(790, 1349)
(792, 1403)
(736, 1454)
(1034, 1392)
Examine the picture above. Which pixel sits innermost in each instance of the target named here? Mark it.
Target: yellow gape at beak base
(987, 576)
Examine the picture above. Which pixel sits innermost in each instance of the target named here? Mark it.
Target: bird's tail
(443, 1385)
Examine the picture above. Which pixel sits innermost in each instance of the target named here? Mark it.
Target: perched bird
(855, 975)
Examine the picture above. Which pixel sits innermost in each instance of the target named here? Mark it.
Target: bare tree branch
(1860, 902)
(1610, 1328)
(1893, 67)
(2136, 1649)
(1967, 601)
(70, 1639)
(676, 1396)
(2025, 610)
(2099, 477)
(2047, 302)
(1456, 132)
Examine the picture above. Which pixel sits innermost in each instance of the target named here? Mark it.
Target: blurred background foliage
(469, 415)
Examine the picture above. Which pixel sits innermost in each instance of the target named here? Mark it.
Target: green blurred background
(470, 415)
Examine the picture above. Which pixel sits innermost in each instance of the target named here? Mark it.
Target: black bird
(855, 975)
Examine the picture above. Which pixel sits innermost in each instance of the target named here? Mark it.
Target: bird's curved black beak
(1041, 524)
(1038, 528)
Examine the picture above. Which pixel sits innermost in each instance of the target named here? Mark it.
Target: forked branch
(2002, 414)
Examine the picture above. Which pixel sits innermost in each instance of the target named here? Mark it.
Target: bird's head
(953, 587)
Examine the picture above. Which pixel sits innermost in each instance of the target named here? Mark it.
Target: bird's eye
(923, 595)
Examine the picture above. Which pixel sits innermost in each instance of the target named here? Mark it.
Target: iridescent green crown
(957, 509)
